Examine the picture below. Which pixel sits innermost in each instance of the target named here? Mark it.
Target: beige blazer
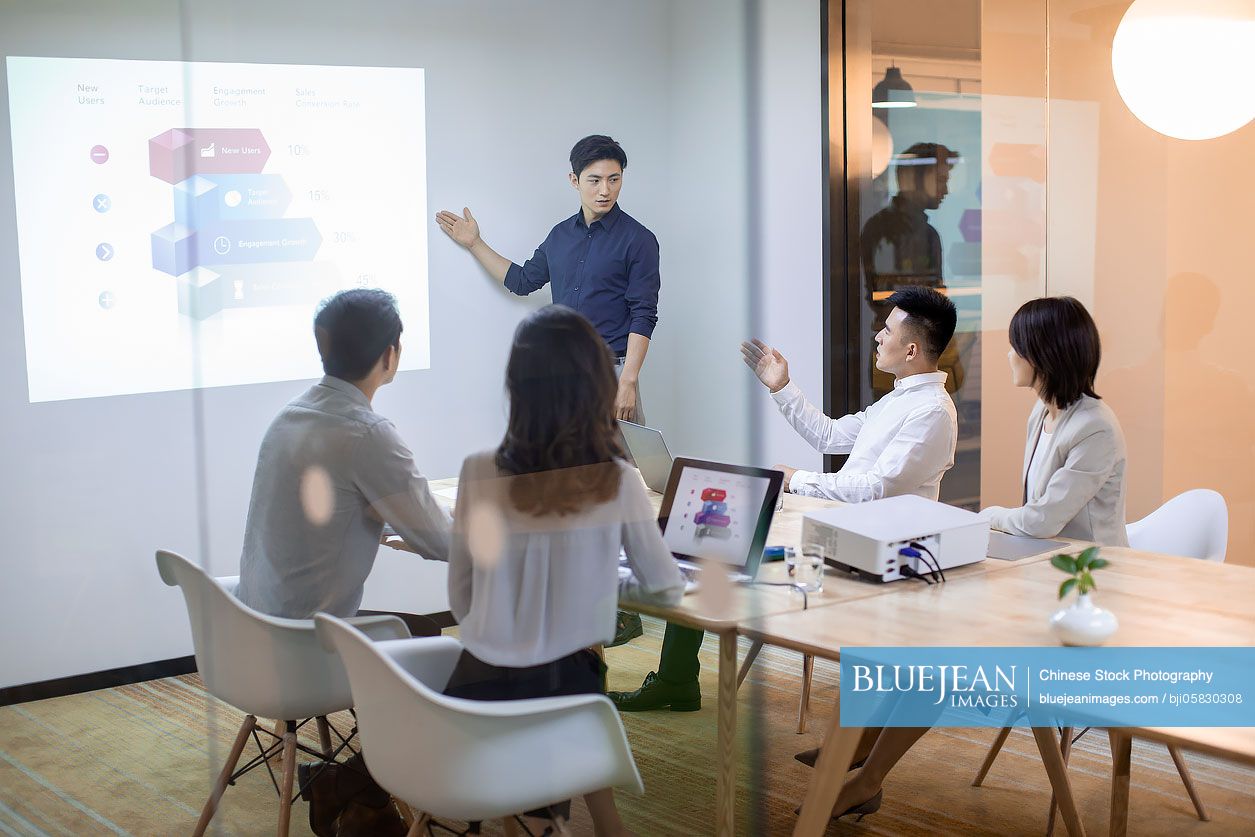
(1080, 485)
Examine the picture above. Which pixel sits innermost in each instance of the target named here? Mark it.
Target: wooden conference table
(1160, 600)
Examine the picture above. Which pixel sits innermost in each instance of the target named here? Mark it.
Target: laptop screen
(719, 512)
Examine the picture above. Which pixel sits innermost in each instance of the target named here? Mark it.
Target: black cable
(909, 571)
(936, 564)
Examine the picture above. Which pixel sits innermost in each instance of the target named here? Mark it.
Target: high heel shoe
(809, 757)
(871, 806)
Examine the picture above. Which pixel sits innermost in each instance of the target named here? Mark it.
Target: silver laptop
(649, 452)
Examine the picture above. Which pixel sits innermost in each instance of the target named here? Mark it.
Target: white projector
(879, 540)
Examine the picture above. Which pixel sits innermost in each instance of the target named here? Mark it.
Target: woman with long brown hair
(534, 576)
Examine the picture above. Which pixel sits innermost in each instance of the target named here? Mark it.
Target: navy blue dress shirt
(607, 270)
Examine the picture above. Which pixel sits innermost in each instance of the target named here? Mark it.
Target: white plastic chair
(470, 759)
(1194, 524)
(264, 666)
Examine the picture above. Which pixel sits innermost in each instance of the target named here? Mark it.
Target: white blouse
(528, 589)
(1039, 457)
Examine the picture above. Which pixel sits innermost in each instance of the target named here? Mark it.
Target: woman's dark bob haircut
(561, 440)
(1057, 336)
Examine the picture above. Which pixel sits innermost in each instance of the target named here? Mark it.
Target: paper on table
(1006, 547)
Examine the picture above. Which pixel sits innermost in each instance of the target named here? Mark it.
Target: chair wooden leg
(994, 749)
(419, 825)
(1179, 760)
(324, 736)
(750, 657)
(215, 796)
(1065, 747)
(510, 827)
(1121, 759)
(289, 774)
(808, 668)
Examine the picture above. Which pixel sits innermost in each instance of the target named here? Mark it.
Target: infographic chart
(178, 222)
(714, 514)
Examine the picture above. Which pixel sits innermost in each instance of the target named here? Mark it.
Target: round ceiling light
(1186, 68)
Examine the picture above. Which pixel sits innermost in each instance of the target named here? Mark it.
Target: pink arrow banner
(182, 152)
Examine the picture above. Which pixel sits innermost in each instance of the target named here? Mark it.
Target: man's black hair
(931, 314)
(594, 148)
(353, 329)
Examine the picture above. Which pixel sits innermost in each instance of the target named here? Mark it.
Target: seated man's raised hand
(768, 364)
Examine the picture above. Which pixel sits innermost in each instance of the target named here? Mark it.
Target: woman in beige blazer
(1074, 454)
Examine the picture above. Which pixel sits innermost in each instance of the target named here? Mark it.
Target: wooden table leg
(1065, 746)
(1052, 758)
(1121, 761)
(834, 761)
(725, 783)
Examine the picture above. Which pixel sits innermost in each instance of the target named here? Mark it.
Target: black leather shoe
(656, 693)
(809, 757)
(627, 627)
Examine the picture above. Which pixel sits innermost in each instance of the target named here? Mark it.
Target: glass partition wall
(984, 149)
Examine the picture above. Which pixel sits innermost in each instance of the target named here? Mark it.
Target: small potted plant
(1082, 622)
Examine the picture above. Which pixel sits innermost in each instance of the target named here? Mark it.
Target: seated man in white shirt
(330, 472)
(902, 444)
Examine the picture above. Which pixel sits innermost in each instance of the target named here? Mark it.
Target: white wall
(791, 191)
(89, 488)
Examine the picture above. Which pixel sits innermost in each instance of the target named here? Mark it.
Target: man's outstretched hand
(768, 364)
(463, 229)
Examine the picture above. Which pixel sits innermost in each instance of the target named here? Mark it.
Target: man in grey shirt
(331, 471)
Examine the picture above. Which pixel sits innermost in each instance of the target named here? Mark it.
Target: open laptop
(718, 513)
(649, 452)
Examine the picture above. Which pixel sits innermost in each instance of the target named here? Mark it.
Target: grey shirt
(329, 473)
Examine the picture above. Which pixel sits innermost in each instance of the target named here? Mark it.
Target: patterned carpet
(140, 759)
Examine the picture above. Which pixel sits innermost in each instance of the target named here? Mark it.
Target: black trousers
(679, 663)
(581, 673)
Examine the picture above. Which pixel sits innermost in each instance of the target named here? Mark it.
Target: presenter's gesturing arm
(464, 229)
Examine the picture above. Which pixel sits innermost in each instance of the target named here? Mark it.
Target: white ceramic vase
(1083, 623)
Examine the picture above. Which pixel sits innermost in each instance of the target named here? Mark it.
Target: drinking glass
(806, 566)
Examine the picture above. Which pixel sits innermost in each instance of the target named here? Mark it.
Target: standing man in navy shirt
(602, 262)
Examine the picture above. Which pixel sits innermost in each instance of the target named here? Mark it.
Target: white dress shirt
(329, 473)
(902, 444)
(530, 589)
